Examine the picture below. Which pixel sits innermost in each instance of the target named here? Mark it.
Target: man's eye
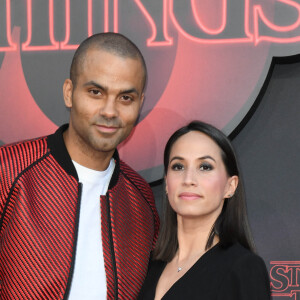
(206, 167)
(126, 98)
(95, 92)
(177, 167)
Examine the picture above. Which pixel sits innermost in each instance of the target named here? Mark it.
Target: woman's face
(196, 180)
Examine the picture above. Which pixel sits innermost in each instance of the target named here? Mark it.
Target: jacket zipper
(112, 252)
(66, 295)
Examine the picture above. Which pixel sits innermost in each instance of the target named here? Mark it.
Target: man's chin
(106, 147)
(108, 143)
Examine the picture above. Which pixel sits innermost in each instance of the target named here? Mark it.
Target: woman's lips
(189, 196)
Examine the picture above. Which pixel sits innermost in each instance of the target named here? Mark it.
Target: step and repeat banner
(206, 60)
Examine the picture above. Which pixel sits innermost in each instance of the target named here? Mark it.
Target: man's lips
(189, 196)
(107, 129)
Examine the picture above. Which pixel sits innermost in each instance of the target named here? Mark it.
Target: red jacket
(39, 211)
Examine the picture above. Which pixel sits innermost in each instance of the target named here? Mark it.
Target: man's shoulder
(132, 175)
(27, 150)
(130, 179)
(24, 144)
(17, 157)
(135, 179)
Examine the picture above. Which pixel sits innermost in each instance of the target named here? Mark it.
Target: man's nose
(109, 109)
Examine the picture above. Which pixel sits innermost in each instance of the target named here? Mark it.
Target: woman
(205, 249)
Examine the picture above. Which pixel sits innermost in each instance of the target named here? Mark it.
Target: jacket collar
(59, 151)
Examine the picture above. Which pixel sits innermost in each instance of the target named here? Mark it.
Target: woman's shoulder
(247, 271)
(233, 259)
(238, 255)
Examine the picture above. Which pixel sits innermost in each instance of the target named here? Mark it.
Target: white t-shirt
(89, 280)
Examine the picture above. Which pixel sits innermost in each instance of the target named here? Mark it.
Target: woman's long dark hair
(231, 225)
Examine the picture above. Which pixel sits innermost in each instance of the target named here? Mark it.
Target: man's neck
(95, 160)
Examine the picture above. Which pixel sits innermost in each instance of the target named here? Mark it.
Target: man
(76, 222)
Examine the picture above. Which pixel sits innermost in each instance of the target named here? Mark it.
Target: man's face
(105, 102)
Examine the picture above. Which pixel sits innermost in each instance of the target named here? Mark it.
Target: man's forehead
(95, 53)
(97, 60)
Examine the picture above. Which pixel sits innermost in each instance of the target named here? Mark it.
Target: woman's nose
(190, 177)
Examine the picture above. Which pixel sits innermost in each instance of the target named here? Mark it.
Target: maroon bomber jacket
(39, 211)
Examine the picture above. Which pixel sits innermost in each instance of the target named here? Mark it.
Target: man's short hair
(111, 42)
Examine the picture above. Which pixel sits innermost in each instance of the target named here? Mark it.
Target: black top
(234, 273)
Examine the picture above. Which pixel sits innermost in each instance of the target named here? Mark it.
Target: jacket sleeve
(3, 183)
(247, 280)
(151, 201)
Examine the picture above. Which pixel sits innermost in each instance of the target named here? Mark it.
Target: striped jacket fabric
(39, 212)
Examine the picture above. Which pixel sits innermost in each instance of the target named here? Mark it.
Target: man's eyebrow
(95, 84)
(99, 86)
(130, 91)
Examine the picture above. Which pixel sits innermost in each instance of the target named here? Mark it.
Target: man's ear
(142, 101)
(68, 92)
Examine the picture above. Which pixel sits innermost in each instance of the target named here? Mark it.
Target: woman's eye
(177, 167)
(206, 167)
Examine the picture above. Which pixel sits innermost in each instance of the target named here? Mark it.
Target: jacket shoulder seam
(14, 183)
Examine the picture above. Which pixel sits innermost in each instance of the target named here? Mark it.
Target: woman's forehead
(195, 143)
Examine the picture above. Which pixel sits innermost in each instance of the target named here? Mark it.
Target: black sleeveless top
(233, 273)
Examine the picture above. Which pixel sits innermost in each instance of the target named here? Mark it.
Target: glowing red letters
(239, 22)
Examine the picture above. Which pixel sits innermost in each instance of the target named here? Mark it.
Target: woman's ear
(166, 186)
(232, 184)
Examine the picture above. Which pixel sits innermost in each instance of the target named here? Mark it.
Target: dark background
(268, 148)
(267, 141)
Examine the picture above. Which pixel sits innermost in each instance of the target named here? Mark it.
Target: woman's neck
(192, 237)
